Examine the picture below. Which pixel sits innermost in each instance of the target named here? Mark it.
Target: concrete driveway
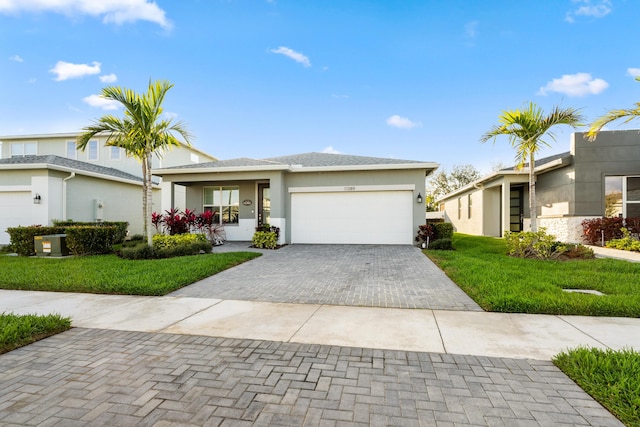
(356, 275)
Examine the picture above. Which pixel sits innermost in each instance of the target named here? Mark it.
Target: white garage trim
(352, 217)
(16, 210)
(338, 189)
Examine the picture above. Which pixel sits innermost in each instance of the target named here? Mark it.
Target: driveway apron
(391, 276)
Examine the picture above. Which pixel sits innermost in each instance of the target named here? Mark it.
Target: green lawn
(610, 377)
(497, 282)
(16, 331)
(108, 274)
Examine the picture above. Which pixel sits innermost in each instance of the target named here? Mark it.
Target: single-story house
(593, 180)
(312, 197)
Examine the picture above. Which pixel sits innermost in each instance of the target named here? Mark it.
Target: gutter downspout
(64, 195)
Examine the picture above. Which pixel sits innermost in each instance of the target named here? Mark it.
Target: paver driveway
(357, 275)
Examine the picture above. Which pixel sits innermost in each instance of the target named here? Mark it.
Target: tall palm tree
(142, 132)
(525, 128)
(628, 114)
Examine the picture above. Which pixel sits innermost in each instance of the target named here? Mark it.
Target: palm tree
(142, 132)
(525, 128)
(630, 114)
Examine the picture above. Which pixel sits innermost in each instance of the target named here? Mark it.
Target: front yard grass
(610, 377)
(109, 274)
(497, 282)
(19, 330)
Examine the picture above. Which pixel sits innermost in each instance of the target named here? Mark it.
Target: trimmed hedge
(22, 237)
(442, 230)
(91, 240)
(163, 241)
(168, 247)
(265, 239)
(121, 227)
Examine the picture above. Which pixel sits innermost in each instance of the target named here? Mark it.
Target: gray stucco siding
(553, 188)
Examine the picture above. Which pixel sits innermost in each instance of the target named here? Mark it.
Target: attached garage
(352, 217)
(16, 210)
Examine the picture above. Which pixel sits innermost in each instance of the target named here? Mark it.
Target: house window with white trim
(459, 207)
(224, 201)
(22, 149)
(93, 150)
(72, 153)
(469, 204)
(622, 196)
(115, 152)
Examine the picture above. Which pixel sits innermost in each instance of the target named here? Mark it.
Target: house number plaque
(247, 202)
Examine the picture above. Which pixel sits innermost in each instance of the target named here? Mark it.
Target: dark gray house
(592, 180)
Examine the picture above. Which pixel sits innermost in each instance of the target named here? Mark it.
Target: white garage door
(367, 217)
(15, 209)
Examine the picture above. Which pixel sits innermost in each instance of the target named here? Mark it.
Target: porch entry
(516, 211)
(264, 204)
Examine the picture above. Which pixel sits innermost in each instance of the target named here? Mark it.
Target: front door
(516, 212)
(264, 204)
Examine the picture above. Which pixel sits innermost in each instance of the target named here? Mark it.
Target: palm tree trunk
(532, 194)
(149, 198)
(145, 228)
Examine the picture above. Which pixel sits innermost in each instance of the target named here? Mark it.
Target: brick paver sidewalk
(98, 377)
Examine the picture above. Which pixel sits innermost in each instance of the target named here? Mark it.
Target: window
(622, 196)
(116, 153)
(224, 201)
(93, 150)
(469, 203)
(71, 150)
(21, 149)
(459, 207)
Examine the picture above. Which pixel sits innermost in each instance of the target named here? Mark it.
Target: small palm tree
(142, 132)
(628, 114)
(525, 128)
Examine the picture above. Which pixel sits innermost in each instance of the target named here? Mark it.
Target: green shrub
(90, 240)
(625, 243)
(578, 251)
(442, 245)
(265, 239)
(22, 237)
(529, 244)
(139, 251)
(163, 241)
(442, 230)
(121, 227)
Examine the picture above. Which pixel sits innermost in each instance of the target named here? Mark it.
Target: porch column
(506, 208)
(278, 205)
(166, 195)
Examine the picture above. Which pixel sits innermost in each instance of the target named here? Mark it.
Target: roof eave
(180, 171)
(387, 166)
(27, 166)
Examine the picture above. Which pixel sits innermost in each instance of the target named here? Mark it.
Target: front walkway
(353, 275)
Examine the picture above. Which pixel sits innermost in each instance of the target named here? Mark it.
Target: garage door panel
(377, 217)
(16, 210)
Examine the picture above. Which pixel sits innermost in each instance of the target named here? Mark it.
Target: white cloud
(471, 29)
(296, 56)
(331, 150)
(108, 78)
(401, 122)
(579, 84)
(168, 115)
(594, 9)
(633, 72)
(112, 11)
(16, 58)
(67, 70)
(100, 102)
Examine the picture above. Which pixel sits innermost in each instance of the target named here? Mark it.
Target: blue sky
(419, 80)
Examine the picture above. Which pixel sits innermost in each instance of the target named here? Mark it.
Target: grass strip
(610, 377)
(109, 274)
(19, 330)
(500, 283)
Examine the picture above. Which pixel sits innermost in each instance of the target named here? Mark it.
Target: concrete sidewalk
(521, 336)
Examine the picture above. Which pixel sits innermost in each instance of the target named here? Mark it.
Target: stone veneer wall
(567, 229)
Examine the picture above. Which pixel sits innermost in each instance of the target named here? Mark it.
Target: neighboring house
(592, 180)
(312, 197)
(44, 177)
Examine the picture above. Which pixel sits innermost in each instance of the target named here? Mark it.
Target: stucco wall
(462, 223)
(555, 194)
